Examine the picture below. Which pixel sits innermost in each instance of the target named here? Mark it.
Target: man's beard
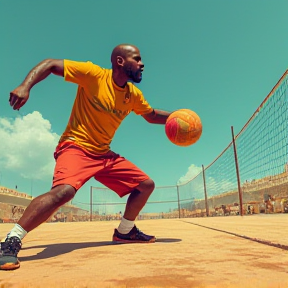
(133, 76)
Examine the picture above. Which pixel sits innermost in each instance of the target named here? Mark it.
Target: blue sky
(218, 58)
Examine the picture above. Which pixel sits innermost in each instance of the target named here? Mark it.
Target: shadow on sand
(52, 250)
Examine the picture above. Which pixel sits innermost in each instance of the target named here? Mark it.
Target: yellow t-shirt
(100, 106)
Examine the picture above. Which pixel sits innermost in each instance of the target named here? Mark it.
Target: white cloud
(214, 186)
(26, 146)
(218, 187)
(193, 171)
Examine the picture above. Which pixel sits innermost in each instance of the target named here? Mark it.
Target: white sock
(125, 226)
(17, 231)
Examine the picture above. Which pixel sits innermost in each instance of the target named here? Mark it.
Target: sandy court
(185, 255)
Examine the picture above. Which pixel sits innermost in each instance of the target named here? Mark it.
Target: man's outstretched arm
(20, 95)
(157, 116)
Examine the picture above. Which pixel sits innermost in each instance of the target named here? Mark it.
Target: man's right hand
(18, 97)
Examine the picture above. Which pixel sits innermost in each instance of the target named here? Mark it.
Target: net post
(205, 192)
(237, 173)
(91, 199)
(178, 197)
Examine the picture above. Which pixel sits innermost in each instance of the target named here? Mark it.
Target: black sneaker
(134, 236)
(8, 253)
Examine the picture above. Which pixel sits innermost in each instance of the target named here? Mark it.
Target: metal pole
(178, 201)
(31, 188)
(91, 199)
(237, 173)
(205, 192)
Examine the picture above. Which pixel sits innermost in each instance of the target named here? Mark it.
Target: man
(104, 98)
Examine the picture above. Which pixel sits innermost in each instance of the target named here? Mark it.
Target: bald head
(123, 51)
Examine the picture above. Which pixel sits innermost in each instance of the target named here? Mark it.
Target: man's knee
(146, 186)
(63, 193)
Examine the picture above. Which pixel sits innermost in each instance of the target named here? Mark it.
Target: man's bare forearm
(40, 72)
(159, 116)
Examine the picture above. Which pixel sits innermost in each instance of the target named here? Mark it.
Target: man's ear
(120, 60)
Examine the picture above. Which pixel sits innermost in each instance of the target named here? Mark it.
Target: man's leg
(38, 211)
(74, 166)
(124, 177)
(138, 198)
(43, 206)
(127, 232)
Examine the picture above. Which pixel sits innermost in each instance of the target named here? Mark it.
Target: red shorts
(75, 166)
